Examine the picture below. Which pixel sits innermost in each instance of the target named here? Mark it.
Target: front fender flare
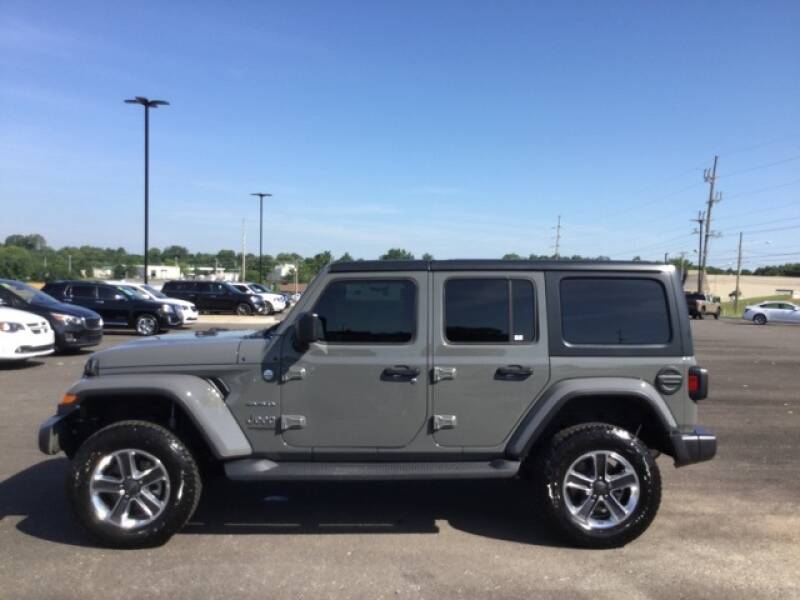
(196, 396)
(542, 412)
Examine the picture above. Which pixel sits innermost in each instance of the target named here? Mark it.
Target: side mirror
(308, 329)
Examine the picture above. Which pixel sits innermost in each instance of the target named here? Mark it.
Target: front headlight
(166, 307)
(10, 327)
(67, 319)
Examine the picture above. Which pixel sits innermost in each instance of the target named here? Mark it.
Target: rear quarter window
(614, 312)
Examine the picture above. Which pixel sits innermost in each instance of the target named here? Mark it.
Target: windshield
(154, 292)
(258, 288)
(28, 294)
(132, 292)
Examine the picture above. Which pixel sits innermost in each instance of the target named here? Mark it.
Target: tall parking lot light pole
(148, 104)
(261, 197)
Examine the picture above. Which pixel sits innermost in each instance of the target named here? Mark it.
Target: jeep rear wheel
(601, 485)
(133, 484)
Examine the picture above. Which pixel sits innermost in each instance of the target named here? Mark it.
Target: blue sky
(458, 128)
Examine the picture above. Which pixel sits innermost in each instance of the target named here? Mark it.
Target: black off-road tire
(184, 475)
(550, 467)
(718, 314)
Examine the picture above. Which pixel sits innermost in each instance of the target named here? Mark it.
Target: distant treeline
(29, 258)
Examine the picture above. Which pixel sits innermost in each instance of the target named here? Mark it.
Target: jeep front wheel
(133, 484)
(602, 485)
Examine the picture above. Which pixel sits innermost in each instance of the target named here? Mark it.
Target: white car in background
(772, 312)
(272, 302)
(186, 310)
(24, 335)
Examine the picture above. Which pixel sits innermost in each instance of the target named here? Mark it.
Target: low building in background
(751, 286)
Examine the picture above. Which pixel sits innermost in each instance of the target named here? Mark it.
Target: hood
(63, 308)
(175, 349)
(18, 316)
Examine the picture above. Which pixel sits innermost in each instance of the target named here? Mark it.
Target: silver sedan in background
(772, 312)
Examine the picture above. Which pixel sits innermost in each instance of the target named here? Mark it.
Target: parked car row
(221, 296)
(71, 327)
(68, 315)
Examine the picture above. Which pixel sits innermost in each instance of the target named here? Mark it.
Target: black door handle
(513, 372)
(399, 373)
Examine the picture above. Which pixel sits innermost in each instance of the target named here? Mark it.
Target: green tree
(33, 242)
(512, 256)
(170, 252)
(345, 258)
(153, 256)
(427, 256)
(397, 254)
(16, 262)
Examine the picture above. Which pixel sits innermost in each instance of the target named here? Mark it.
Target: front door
(112, 305)
(490, 359)
(363, 386)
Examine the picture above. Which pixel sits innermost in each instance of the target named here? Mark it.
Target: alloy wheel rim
(129, 489)
(600, 490)
(147, 325)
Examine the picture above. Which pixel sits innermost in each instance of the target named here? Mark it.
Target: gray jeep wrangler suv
(572, 375)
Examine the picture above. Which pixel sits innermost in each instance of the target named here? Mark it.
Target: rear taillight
(697, 383)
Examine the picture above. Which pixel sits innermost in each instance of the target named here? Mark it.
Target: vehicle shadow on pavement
(495, 509)
(16, 365)
(37, 495)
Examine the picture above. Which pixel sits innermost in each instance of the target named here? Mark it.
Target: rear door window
(84, 291)
(614, 312)
(489, 310)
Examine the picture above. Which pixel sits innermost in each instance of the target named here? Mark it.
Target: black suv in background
(215, 296)
(119, 307)
(74, 326)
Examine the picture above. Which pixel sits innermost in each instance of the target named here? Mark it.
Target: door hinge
(292, 422)
(444, 422)
(442, 373)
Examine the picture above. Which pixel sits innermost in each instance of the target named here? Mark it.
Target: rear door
(363, 386)
(490, 359)
(84, 294)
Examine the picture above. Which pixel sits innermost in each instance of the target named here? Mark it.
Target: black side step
(262, 469)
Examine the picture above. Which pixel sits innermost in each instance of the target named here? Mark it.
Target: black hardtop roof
(496, 265)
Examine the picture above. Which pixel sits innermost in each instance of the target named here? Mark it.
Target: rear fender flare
(548, 406)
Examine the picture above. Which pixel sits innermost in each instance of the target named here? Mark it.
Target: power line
(772, 164)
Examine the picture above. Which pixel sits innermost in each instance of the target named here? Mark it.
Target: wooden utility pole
(557, 254)
(710, 176)
(700, 220)
(738, 275)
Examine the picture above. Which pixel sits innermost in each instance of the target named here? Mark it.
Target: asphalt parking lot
(726, 529)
